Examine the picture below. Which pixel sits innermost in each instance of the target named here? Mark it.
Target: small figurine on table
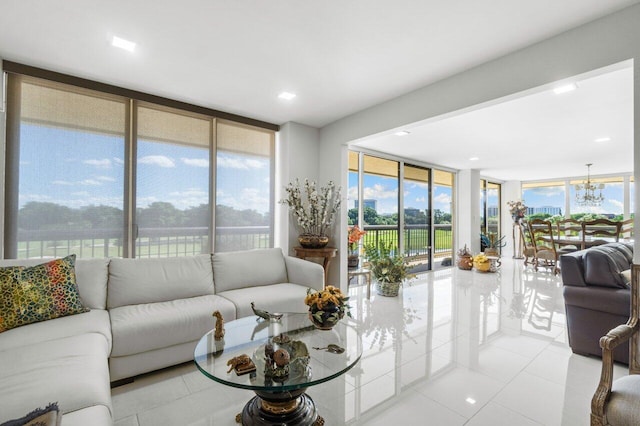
(218, 334)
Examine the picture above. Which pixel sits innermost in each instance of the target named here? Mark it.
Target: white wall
(467, 212)
(297, 157)
(612, 39)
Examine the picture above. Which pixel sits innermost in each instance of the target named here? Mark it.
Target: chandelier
(586, 191)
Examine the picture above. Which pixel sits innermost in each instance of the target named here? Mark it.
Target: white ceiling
(338, 57)
(532, 137)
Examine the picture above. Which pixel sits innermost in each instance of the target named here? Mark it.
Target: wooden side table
(325, 253)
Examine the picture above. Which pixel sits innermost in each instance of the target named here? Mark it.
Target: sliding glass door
(379, 189)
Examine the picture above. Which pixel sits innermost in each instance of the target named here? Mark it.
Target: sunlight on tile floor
(454, 348)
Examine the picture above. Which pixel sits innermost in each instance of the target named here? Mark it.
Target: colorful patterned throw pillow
(38, 293)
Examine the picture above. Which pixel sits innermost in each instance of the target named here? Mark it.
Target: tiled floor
(454, 348)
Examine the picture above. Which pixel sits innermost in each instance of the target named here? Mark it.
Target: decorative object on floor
(465, 259)
(586, 191)
(388, 267)
(48, 416)
(242, 364)
(494, 263)
(355, 235)
(218, 334)
(315, 211)
(38, 293)
(327, 307)
(481, 263)
(491, 244)
(264, 314)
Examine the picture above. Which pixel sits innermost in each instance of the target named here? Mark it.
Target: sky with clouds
(90, 171)
(385, 191)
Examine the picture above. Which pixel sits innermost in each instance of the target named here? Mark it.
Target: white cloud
(105, 163)
(379, 192)
(80, 194)
(239, 163)
(248, 198)
(105, 178)
(157, 160)
(442, 199)
(421, 199)
(616, 203)
(195, 162)
(118, 161)
(90, 182)
(62, 182)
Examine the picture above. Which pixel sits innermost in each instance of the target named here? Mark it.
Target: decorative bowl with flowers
(327, 307)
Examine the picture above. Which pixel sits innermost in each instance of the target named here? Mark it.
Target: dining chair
(601, 229)
(528, 251)
(568, 229)
(626, 229)
(544, 245)
(617, 402)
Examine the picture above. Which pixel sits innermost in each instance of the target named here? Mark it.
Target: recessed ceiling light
(123, 44)
(402, 133)
(287, 95)
(605, 139)
(474, 158)
(565, 88)
(470, 400)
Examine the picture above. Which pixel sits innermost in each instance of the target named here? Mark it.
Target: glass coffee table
(279, 382)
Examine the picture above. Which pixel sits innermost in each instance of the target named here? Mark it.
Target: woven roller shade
(48, 106)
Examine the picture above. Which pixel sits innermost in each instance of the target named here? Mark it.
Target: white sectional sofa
(145, 314)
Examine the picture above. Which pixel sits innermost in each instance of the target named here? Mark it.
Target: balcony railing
(416, 239)
(186, 241)
(151, 242)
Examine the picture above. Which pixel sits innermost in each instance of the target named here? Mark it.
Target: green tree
(46, 216)
(160, 214)
(102, 217)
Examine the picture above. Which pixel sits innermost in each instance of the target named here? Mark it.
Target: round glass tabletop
(315, 356)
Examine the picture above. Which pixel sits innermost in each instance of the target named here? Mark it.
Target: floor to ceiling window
(426, 203)
(65, 179)
(104, 175)
(172, 183)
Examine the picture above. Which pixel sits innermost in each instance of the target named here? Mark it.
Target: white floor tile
(493, 414)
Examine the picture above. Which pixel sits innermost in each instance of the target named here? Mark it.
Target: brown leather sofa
(597, 296)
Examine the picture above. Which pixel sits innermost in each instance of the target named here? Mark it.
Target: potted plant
(327, 307)
(492, 244)
(465, 259)
(315, 210)
(354, 236)
(388, 267)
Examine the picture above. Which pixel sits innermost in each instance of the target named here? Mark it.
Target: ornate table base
(294, 408)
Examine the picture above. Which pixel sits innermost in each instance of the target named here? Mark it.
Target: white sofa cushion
(251, 268)
(91, 277)
(98, 415)
(145, 327)
(135, 281)
(283, 297)
(72, 371)
(95, 321)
